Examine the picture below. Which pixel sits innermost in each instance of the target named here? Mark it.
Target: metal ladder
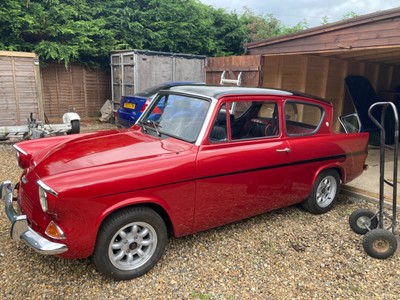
(225, 80)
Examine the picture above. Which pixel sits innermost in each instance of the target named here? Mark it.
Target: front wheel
(380, 243)
(324, 193)
(130, 243)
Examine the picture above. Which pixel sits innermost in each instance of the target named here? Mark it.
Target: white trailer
(35, 129)
(135, 70)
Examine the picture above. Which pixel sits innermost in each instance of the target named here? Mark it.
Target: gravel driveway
(285, 254)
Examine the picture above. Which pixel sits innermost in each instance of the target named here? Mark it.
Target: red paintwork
(96, 174)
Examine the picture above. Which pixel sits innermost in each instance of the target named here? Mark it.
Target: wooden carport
(317, 60)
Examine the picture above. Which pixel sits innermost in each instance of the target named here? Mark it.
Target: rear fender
(339, 169)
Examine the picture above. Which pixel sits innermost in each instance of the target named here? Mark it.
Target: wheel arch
(340, 171)
(323, 192)
(158, 208)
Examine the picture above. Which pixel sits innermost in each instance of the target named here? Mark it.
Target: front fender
(144, 201)
(81, 217)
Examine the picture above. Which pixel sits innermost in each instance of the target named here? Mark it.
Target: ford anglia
(198, 157)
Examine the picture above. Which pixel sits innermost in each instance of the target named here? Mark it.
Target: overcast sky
(291, 12)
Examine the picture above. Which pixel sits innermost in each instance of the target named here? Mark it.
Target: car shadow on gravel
(286, 253)
(218, 239)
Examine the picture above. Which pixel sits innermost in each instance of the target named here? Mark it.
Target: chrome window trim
(317, 128)
(207, 121)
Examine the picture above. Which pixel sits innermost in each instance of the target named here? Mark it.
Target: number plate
(129, 105)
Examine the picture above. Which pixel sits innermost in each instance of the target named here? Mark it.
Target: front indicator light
(54, 231)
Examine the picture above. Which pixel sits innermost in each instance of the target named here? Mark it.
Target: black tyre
(363, 220)
(380, 243)
(130, 243)
(324, 193)
(75, 127)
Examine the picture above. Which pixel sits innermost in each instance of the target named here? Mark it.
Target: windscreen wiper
(141, 124)
(156, 126)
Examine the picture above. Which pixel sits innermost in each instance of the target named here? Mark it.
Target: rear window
(302, 118)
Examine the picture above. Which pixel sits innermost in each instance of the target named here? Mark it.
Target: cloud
(291, 12)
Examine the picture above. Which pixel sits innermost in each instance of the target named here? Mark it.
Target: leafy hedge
(86, 30)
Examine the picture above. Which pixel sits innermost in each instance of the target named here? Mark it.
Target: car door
(244, 175)
(311, 147)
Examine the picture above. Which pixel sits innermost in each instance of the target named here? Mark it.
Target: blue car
(132, 107)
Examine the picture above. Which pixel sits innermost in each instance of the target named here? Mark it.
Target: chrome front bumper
(20, 229)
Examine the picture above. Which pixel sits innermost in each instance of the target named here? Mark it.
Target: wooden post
(16, 98)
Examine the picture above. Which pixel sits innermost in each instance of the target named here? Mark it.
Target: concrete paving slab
(367, 185)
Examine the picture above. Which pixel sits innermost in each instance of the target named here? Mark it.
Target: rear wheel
(363, 220)
(380, 243)
(130, 243)
(324, 192)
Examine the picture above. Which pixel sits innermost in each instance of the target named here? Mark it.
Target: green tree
(86, 31)
(259, 27)
(349, 15)
(229, 33)
(55, 30)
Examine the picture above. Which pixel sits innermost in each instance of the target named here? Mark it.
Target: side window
(302, 118)
(258, 120)
(240, 108)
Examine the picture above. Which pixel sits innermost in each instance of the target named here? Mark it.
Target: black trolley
(379, 229)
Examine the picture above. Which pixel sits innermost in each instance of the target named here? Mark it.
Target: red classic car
(207, 156)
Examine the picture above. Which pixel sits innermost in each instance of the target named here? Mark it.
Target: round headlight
(43, 199)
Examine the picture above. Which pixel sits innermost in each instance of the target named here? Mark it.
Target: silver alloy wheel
(132, 246)
(326, 191)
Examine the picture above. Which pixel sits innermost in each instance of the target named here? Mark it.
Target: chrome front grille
(26, 205)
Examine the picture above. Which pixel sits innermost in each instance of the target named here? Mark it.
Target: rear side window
(302, 118)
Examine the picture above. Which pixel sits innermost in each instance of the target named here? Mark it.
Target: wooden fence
(250, 66)
(18, 87)
(48, 91)
(74, 88)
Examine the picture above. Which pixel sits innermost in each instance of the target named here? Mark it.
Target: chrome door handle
(287, 150)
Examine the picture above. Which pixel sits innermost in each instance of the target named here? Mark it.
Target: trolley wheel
(75, 127)
(380, 243)
(363, 220)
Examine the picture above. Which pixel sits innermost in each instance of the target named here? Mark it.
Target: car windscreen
(176, 115)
